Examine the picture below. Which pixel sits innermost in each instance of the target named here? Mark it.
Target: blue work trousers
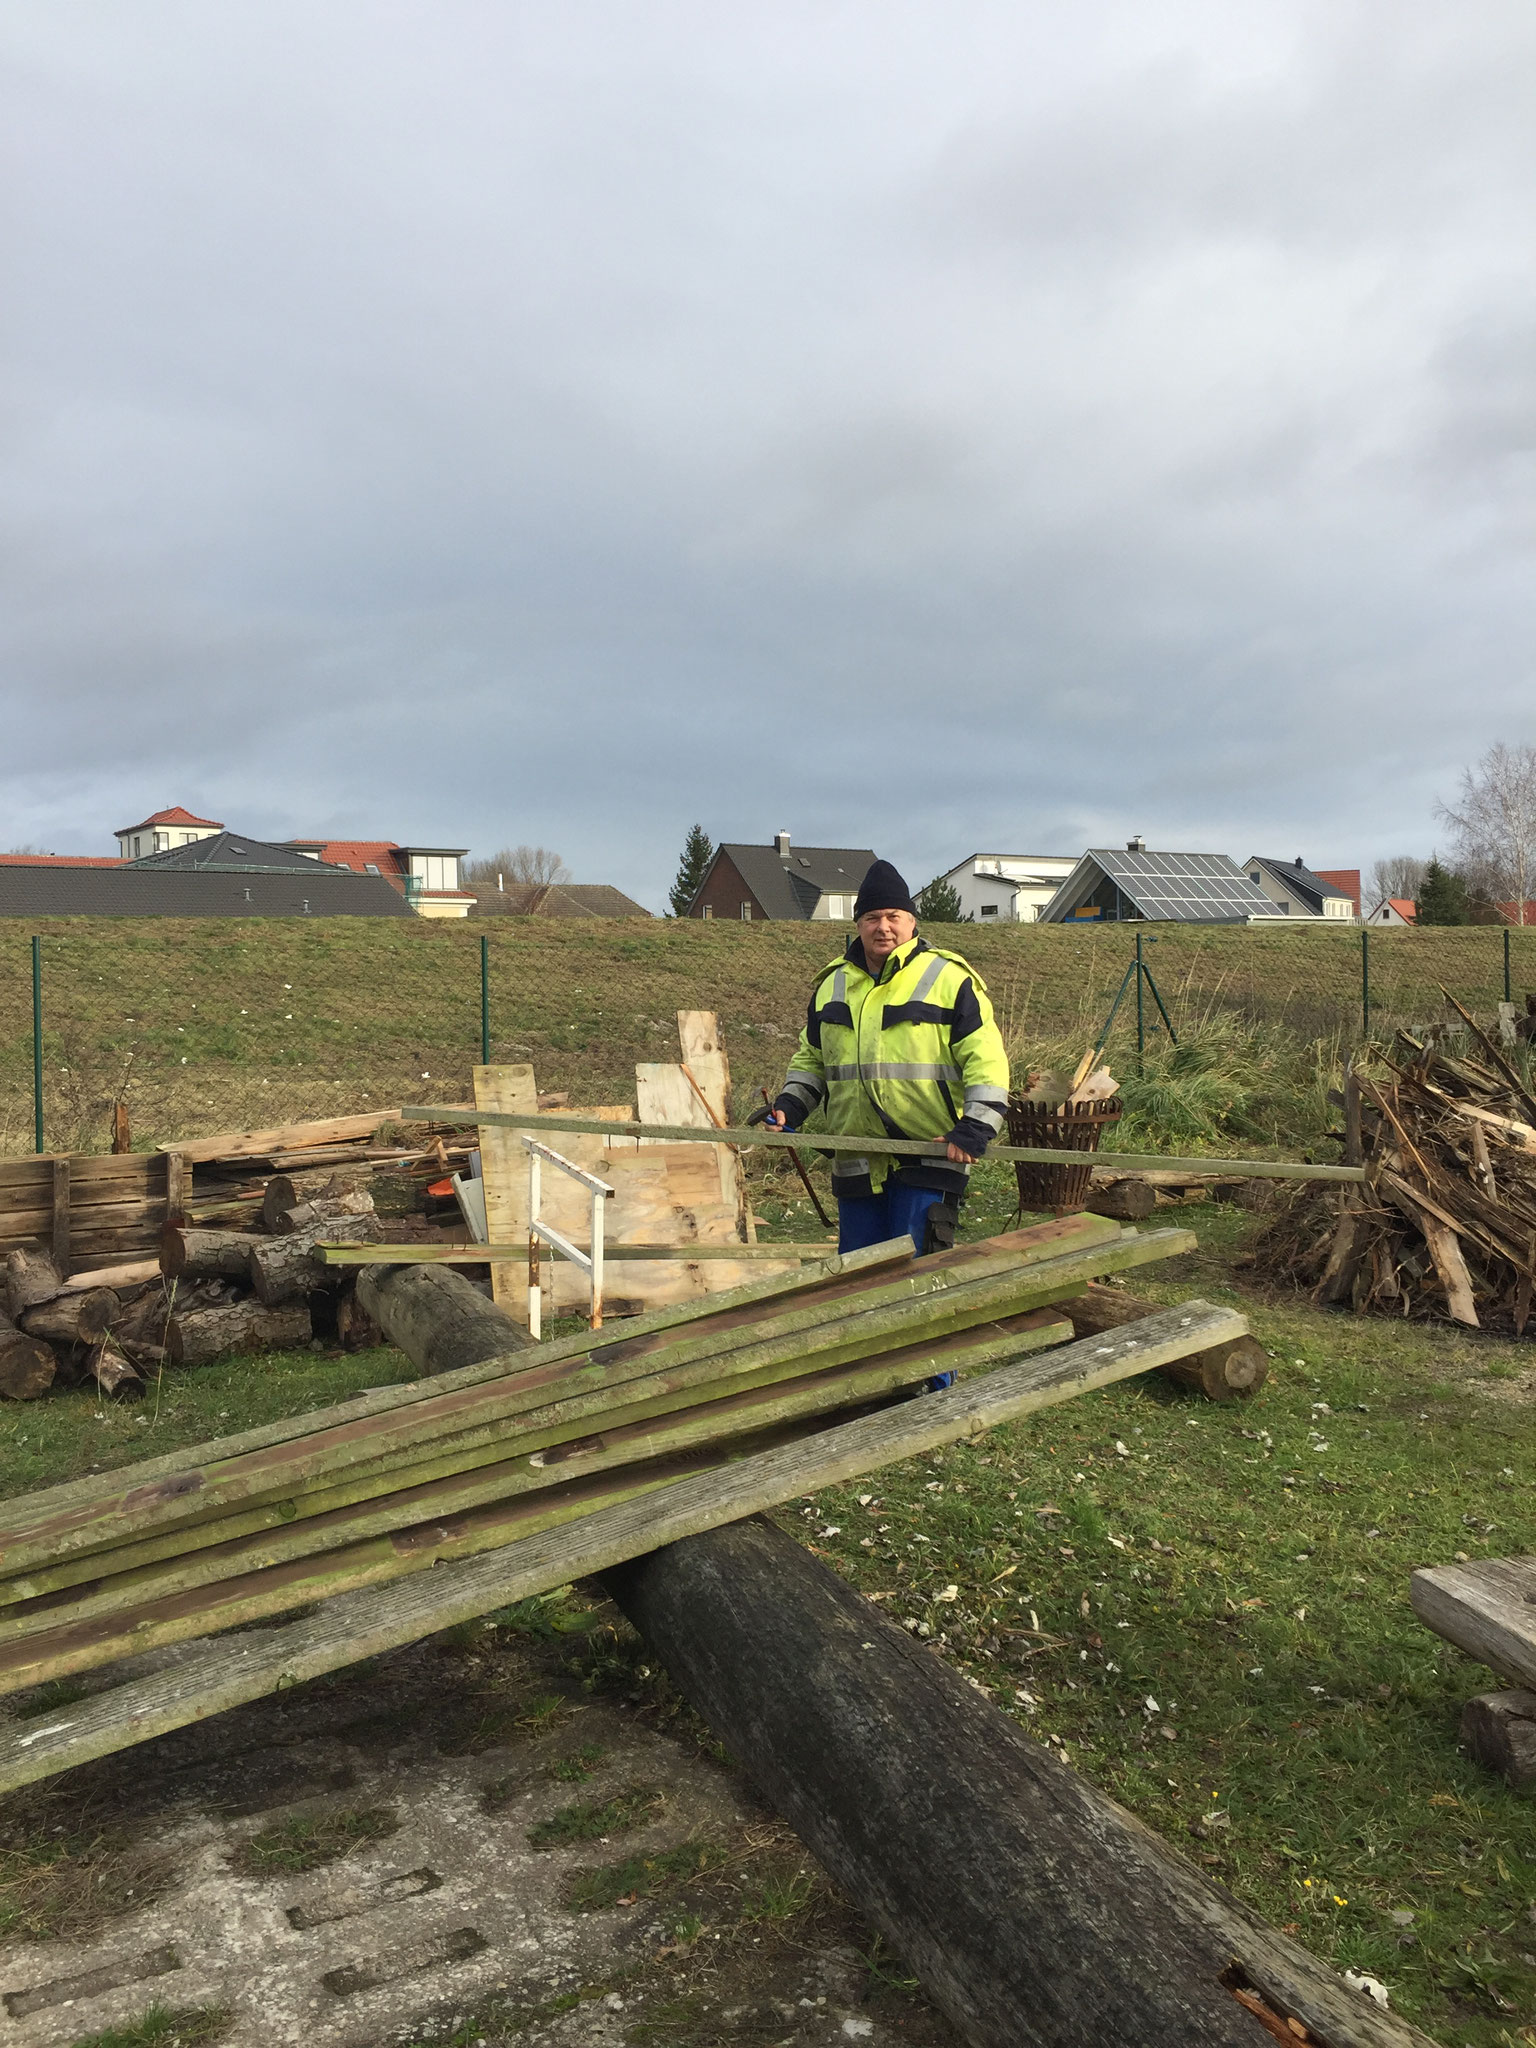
(897, 1211)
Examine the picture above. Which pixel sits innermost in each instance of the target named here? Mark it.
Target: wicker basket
(1060, 1127)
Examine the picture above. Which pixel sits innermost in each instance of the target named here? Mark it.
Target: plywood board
(504, 1170)
(667, 1096)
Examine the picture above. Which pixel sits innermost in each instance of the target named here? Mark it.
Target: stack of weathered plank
(395, 1482)
(1447, 1224)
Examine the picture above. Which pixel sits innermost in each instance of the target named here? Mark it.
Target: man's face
(882, 931)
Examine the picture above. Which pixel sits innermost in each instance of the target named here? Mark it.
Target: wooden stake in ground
(504, 1174)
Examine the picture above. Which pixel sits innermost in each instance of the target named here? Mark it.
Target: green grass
(576, 1768)
(641, 1877)
(1206, 1610)
(593, 1820)
(165, 2027)
(307, 1841)
(309, 1017)
(45, 1442)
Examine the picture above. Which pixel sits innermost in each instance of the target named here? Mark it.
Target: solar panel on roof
(1188, 886)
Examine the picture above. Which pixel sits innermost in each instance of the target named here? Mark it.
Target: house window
(162, 842)
(1254, 876)
(138, 846)
(746, 913)
(369, 868)
(989, 910)
(1285, 906)
(706, 911)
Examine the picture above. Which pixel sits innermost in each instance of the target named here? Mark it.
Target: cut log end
(1499, 1730)
(31, 1278)
(1223, 1373)
(27, 1366)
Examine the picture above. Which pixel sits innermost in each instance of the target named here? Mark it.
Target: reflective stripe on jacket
(903, 1057)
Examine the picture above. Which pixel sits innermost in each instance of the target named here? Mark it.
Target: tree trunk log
(27, 1365)
(190, 1254)
(1499, 1729)
(1226, 1371)
(201, 1335)
(321, 1209)
(436, 1317)
(110, 1369)
(73, 1318)
(1129, 1201)
(31, 1278)
(356, 1330)
(280, 1268)
(285, 1191)
(1037, 1912)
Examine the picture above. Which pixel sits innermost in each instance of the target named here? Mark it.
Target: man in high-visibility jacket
(899, 1042)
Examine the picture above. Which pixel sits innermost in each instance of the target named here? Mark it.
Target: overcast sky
(993, 425)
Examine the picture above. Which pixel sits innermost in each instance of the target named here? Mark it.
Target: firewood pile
(1446, 1226)
(233, 1271)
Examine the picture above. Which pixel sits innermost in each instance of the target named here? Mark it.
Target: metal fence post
(1141, 1020)
(1365, 982)
(37, 1043)
(485, 1001)
(1507, 996)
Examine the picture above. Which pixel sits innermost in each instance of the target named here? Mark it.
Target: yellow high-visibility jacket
(907, 1056)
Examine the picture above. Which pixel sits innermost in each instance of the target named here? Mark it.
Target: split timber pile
(112, 1267)
(598, 1431)
(1445, 1226)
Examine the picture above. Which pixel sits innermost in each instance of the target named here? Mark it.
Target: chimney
(1136, 845)
(781, 845)
(1300, 862)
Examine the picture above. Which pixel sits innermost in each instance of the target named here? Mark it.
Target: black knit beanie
(883, 889)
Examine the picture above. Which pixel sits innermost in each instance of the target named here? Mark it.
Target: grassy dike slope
(209, 1024)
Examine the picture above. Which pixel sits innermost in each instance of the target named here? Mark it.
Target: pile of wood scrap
(1133, 1196)
(1446, 1225)
(412, 1477)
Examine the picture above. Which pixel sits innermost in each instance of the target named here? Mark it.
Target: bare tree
(1402, 876)
(46, 852)
(1493, 824)
(495, 873)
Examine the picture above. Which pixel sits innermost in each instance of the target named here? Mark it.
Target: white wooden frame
(591, 1262)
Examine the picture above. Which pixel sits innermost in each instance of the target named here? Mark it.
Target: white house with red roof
(427, 876)
(161, 831)
(1394, 910)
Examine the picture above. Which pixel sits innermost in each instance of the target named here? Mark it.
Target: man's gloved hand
(968, 1140)
(787, 1114)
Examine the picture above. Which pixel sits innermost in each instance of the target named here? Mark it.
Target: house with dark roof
(1110, 886)
(161, 831)
(151, 888)
(781, 881)
(428, 876)
(558, 899)
(1298, 891)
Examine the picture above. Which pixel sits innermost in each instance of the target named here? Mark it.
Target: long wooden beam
(903, 1148)
(363, 1624)
(483, 1254)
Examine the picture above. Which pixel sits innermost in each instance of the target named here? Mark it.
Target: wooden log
(285, 1191)
(1499, 1730)
(436, 1318)
(189, 1254)
(320, 1209)
(27, 1364)
(122, 1135)
(1132, 1201)
(1221, 1373)
(199, 1336)
(73, 1318)
(955, 1833)
(280, 1268)
(111, 1370)
(363, 1624)
(1487, 1609)
(356, 1330)
(31, 1277)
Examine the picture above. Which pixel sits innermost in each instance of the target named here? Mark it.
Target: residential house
(162, 831)
(1298, 891)
(428, 876)
(1008, 888)
(1394, 910)
(162, 886)
(558, 899)
(1346, 880)
(781, 881)
(1107, 885)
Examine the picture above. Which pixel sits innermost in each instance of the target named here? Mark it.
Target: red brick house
(748, 883)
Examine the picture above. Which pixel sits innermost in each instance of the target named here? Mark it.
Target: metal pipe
(37, 1043)
(1365, 982)
(1141, 1009)
(1507, 996)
